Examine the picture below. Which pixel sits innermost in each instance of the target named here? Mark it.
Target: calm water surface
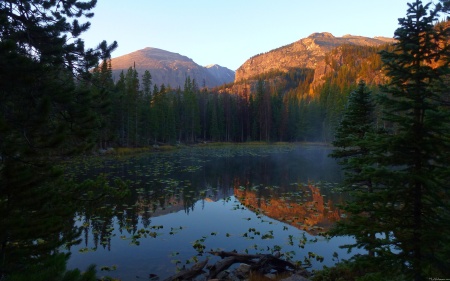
(184, 203)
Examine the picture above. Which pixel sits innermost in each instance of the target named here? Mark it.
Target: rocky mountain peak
(321, 35)
(308, 52)
(171, 68)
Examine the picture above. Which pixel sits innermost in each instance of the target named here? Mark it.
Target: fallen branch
(260, 263)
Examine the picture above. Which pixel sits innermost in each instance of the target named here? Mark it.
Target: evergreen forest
(280, 107)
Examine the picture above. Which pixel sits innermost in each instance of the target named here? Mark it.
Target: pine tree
(102, 91)
(416, 151)
(254, 113)
(214, 132)
(405, 171)
(277, 113)
(352, 148)
(203, 106)
(264, 111)
(292, 116)
(191, 110)
(146, 84)
(145, 126)
(358, 121)
(121, 109)
(46, 111)
(133, 98)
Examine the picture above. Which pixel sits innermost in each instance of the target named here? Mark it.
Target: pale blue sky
(228, 32)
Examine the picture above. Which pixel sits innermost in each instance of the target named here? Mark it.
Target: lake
(186, 202)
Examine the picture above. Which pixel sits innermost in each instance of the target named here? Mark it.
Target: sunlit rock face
(319, 52)
(306, 209)
(171, 69)
(305, 53)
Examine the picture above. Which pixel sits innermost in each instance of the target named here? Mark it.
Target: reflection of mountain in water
(177, 202)
(306, 208)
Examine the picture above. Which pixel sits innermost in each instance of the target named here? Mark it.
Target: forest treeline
(279, 107)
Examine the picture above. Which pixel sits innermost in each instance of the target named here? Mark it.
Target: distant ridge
(171, 68)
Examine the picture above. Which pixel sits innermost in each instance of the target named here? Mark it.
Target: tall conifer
(46, 111)
(407, 167)
(352, 148)
(416, 150)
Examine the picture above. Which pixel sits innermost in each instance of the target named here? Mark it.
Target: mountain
(222, 74)
(308, 53)
(171, 68)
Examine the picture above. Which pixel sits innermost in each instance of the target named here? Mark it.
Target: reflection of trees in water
(37, 220)
(162, 198)
(214, 180)
(303, 207)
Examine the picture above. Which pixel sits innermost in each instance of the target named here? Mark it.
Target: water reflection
(37, 220)
(304, 207)
(212, 195)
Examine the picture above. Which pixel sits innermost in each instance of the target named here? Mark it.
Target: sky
(228, 32)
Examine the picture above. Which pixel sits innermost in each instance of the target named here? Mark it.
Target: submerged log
(190, 273)
(228, 259)
(220, 266)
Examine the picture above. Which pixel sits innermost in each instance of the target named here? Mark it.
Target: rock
(243, 271)
(233, 277)
(271, 276)
(223, 275)
(277, 254)
(295, 277)
(226, 276)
